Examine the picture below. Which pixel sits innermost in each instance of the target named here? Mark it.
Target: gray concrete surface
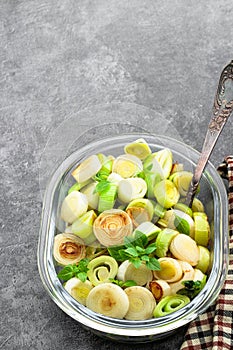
(59, 57)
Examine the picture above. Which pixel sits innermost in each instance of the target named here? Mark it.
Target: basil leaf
(182, 225)
(150, 249)
(132, 251)
(153, 264)
(66, 273)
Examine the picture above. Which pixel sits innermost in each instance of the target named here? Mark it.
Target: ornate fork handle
(223, 107)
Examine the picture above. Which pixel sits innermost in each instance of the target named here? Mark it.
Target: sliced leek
(112, 226)
(185, 248)
(91, 194)
(108, 299)
(131, 188)
(164, 157)
(78, 290)
(141, 303)
(140, 210)
(78, 186)
(188, 274)
(202, 228)
(166, 193)
(170, 270)
(74, 205)
(101, 269)
(107, 198)
(87, 169)
(114, 178)
(204, 259)
(127, 165)
(68, 249)
(180, 221)
(138, 148)
(197, 205)
(149, 229)
(163, 241)
(170, 304)
(159, 289)
(141, 275)
(182, 180)
(83, 227)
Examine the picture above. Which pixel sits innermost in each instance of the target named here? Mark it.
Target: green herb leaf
(82, 276)
(67, 272)
(145, 258)
(182, 225)
(150, 249)
(131, 251)
(136, 262)
(192, 288)
(129, 283)
(149, 168)
(79, 271)
(153, 264)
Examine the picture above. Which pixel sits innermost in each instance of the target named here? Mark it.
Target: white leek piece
(164, 157)
(74, 205)
(112, 226)
(198, 275)
(87, 169)
(202, 228)
(141, 275)
(114, 178)
(159, 289)
(92, 196)
(139, 148)
(101, 269)
(185, 248)
(78, 290)
(131, 188)
(68, 249)
(170, 270)
(188, 274)
(166, 193)
(149, 229)
(140, 210)
(108, 299)
(83, 227)
(127, 165)
(182, 180)
(180, 221)
(141, 303)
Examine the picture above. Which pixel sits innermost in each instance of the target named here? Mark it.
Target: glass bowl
(214, 196)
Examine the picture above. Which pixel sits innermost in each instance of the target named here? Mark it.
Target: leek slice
(131, 188)
(68, 249)
(202, 229)
(170, 304)
(139, 148)
(183, 207)
(164, 157)
(140, 210)
(185, 248)
(91, 194)
(180, 221)
(83, 227)
(127, 165)
(188, 274)
(170, 270)
(101, 269)
(159, 289)
(141, 275)
(74, 205)
(182, 180)
(112, 226)
(78, 186)
(163, 241)
(166, 193)
(87, 169)
(108, 299)
(141, 303)
(197, 205)
(78, 290)
(149, 229)
(107, 198)
(204, 259)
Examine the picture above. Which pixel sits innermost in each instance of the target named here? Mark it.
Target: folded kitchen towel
(213, 330)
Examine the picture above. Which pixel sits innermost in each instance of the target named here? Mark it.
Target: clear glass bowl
(212, 193)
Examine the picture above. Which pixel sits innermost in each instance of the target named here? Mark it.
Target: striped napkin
(213, 330)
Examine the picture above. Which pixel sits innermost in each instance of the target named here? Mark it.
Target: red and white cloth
(213, 330)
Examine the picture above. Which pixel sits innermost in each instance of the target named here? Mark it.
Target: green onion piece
(170, 304)
(107, 198)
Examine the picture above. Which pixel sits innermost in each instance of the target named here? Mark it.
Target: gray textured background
(59, 57)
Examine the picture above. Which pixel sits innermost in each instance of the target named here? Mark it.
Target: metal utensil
(222, 109)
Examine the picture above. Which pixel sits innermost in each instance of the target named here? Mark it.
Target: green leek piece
(143, 203)
(182, 180)
(204, 259)
(78, 186)
(170, 304)
(151, 179)
(166, 193)
(83, 227)
(139, 148)
(180, 221)
(149, 229)
(159, 211)
(202, 228)
(105, 170)
(163, 241)
(183, 207)
(107, 198)
(197, 205)
(101, 269)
